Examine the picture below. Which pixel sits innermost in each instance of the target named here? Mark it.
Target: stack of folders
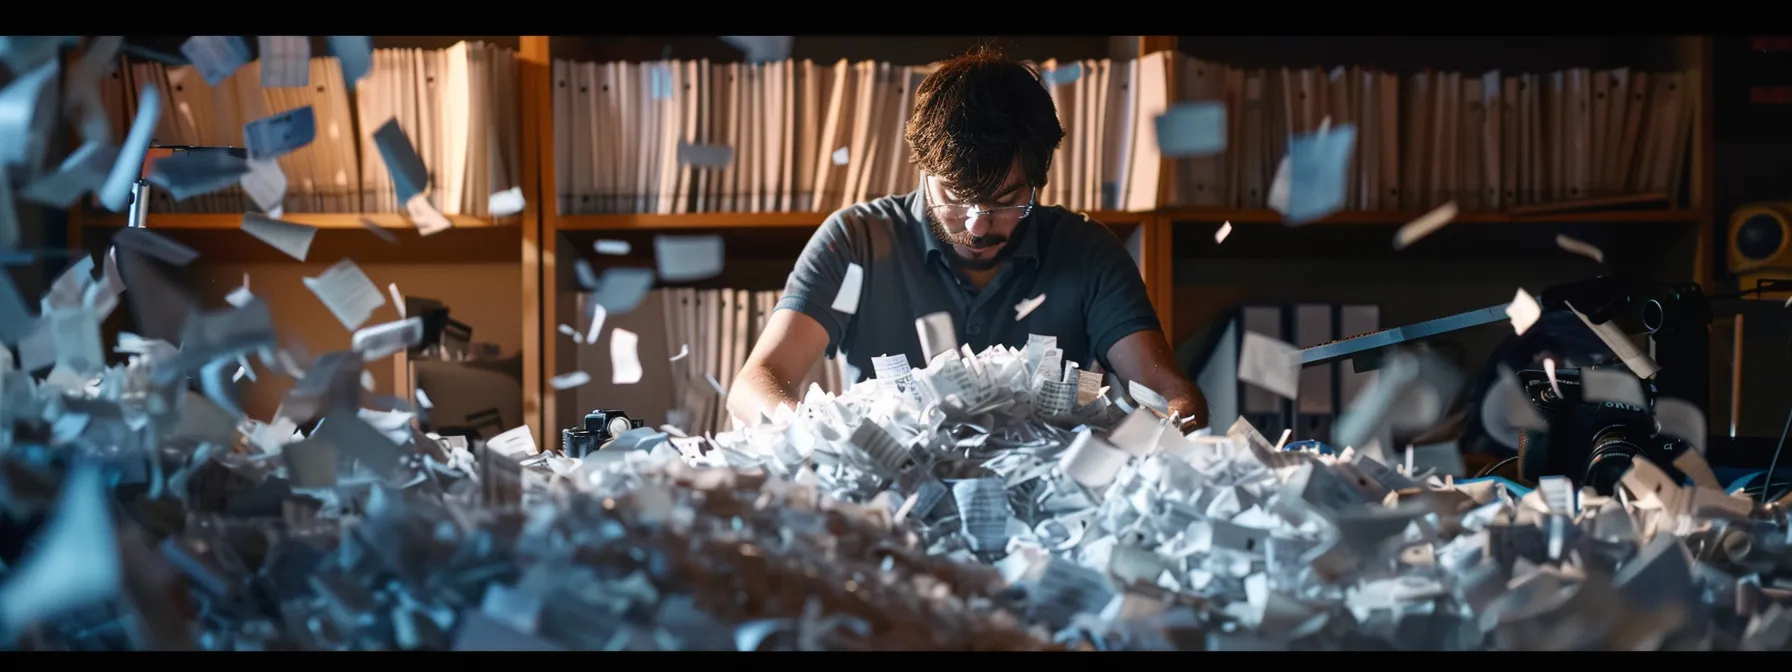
(691, 343)
(796, 136)
(458, 105)
(1486, 142)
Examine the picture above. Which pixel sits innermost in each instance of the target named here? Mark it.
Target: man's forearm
(1187, 402)
(759, 387)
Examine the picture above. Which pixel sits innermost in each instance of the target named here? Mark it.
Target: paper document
(1270, 364)
(347, 292)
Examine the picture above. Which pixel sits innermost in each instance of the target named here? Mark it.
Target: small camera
(1593, 443)
(601, 427)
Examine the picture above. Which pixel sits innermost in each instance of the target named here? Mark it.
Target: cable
(1775, 463)
(1496, 466)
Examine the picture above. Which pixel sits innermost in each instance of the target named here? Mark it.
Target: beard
(966, 239)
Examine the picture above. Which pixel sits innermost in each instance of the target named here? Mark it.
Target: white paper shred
(506, 203)
(1027, 306)
(397, 297)
(625, 364)
(1425, 225)
(428, 220)
(847, 299)
(1581, 248)
(567, 381)
(1524, 312)
(517, 442)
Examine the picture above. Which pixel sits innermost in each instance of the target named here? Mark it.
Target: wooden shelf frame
(233, 221)
(541, 249)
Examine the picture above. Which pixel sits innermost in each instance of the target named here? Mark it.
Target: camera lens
(1613, 452)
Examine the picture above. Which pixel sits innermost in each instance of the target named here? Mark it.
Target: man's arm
(1144, 357)
(803, 325)
(1124, 330)
(786, 351)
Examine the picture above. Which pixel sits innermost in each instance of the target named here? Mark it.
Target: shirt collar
(1024, 243)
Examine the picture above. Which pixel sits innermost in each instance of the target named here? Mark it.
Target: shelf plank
(232, 221)
(729, 220)
(1266, 216)
(471, 245)
(694, 220)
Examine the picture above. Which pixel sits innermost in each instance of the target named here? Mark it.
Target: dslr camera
(1593, 443)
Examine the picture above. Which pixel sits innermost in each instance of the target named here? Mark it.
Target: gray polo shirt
(1093, 293)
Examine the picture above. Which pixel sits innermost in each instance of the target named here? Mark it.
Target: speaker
(1760, 238)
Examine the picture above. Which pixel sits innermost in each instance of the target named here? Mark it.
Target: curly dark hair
(974, 115)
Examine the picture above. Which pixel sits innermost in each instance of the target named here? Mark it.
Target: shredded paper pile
(996, 501)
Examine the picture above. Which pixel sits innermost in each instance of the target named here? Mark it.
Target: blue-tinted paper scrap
(621, 289)
(409, 176)
(1064, 74)
(216, 57)
(1318, 166)
(1195, 128)
(355, 53)
(274, 136)
(195, 172)
(762, 48)
(659, 79)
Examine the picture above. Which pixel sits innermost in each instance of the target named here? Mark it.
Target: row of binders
(1109, 158)
(672, 137)
(459, 106)
(693, 136)
(691, 343)
(1486, 142)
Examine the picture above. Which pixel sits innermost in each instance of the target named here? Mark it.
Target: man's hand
(786, 350)
(1144, 357)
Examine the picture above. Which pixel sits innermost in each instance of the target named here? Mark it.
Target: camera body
(600, 427)
(1593, 443)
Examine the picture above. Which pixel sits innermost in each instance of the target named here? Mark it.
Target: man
(972, 242)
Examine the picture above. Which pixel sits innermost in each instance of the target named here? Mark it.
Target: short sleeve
(815, 281)
(1116, 303)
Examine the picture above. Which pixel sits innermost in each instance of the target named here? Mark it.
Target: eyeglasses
(958, 214)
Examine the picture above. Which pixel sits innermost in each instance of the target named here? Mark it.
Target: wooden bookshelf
(1359, 217)
(751, 220)
(493, 244)
(536, 238)
(1642, 231)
